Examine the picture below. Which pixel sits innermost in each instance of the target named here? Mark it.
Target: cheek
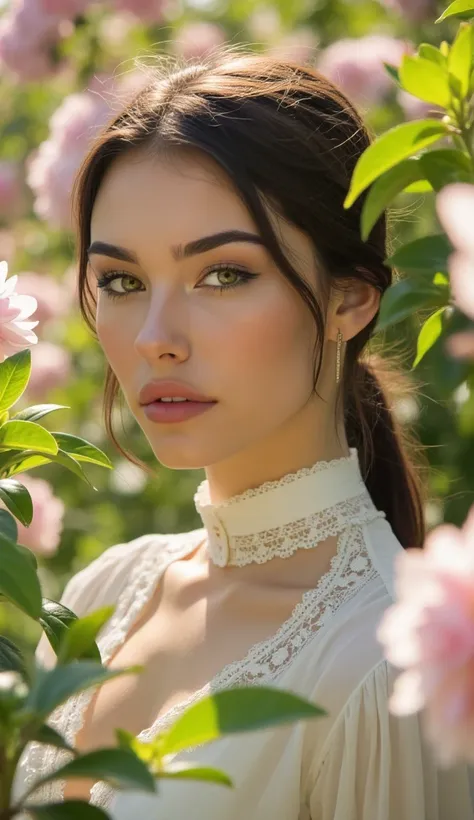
(115, 333)
(273, 348)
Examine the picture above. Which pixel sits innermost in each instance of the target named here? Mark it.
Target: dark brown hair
(281, 130)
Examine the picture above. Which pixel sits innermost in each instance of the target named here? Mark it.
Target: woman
(218, 265)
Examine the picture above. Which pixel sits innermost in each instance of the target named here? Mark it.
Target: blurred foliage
(126, 505)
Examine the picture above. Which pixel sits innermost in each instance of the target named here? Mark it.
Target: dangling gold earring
(338, 356)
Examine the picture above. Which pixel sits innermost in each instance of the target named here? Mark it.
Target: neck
(269, 462)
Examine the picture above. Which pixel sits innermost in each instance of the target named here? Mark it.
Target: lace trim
(350, 569)
(284, 541)
(201, 494)
(68, 718)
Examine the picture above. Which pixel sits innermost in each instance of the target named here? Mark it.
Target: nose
(162, 332)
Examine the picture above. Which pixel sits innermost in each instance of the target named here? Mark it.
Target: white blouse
(357, 763)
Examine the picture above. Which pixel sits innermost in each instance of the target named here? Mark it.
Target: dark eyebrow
(206, 243)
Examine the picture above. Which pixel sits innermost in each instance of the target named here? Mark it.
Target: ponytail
(391, 464)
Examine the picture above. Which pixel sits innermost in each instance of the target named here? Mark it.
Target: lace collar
(297, 511)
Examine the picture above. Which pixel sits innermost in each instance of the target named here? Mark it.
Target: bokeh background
(63, 65)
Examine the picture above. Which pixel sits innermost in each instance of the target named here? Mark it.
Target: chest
(187, 634)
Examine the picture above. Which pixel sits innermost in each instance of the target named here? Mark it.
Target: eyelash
(104, 281)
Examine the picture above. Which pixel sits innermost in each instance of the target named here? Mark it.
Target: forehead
(162, 196)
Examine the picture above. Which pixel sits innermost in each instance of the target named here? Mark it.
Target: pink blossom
(44, 533)
(415, 10)
(64, 8)
(27, 35)
(151, 11)
(50, 368)
(53, 298)
(196, 40)
(429, 632)
(10, 188)
(51, 169)
(356, 65)
(15, 333)
(455, 209)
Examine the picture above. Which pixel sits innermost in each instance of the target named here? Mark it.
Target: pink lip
(172, 412)
(160, 388)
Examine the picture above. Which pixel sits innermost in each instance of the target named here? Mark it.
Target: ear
(351, 309)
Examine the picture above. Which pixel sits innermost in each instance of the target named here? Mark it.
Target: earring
(338, 356)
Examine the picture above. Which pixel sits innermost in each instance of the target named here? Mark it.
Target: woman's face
(225, 321)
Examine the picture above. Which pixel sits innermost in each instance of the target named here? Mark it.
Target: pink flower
(53, 298)
(195, 40)
(64, 8)
(51, 169)
(27, 34)
(429, 632)
(415, 10)
(151, 11)
(15, 333)
(44, 533)
(50, 368)
(455, 209)
(357, 65)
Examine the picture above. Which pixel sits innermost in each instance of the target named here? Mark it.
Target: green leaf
(56, 619)
(50, 737)
(18, 579)
(21, 462)
(79, 639)
(120, 767)
(430, 52)
(29, 555)
(392, 71)
(54, 686)
(14, 376)
(81, 449)
(11, 659)
(388, 150)
(406, 297)
(427, 253)
(426, 80)
(385, 189)
(440, 370)
(428, 335)
(68, 810)
(18, 500)
(244, 709)
(8, 526)
(421, 187)
(446, 165)
(189, 771)
(461, 60)
(458, 8)
(26, 435)
(37, 411)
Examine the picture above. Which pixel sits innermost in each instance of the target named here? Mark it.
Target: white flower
(15, 333)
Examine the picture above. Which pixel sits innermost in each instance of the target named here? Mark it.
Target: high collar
(297, 511)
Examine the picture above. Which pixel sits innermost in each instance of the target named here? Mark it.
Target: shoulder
(102, 581)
